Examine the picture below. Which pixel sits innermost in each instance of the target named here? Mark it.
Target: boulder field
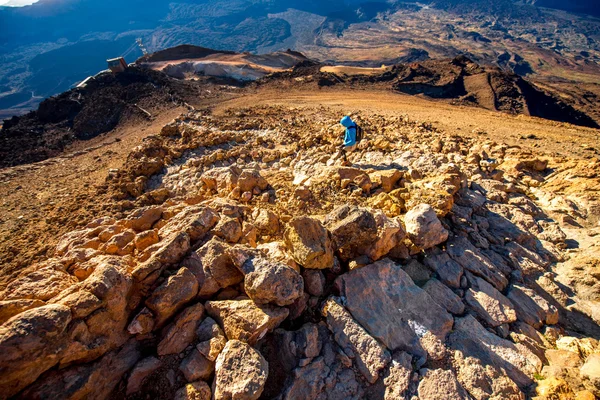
(250, 264)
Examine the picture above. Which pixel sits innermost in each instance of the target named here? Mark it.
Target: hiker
(351, 138)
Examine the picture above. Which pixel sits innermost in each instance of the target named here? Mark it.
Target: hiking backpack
(359, 133)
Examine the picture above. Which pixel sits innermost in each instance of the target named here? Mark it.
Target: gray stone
(448, 270)
(444, 296)
(473, 340)
(532, 308)
(488, 303)
(471, 259)
(370, 356)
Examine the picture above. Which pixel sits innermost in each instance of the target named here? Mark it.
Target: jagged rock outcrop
(266, 270)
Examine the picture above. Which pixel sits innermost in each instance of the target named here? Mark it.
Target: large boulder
(172, 295)
(30, 345)
(309, 243)
(353, 230)
(471, 339)
(244, 320)
(424, 228)
(271, 282)
(390, 234)
(382, 295)
(220, 263)
(368, 354)
(241, 373)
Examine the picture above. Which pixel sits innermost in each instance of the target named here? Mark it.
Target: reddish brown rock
(172, 295)
(10, 308)
(368, 354)
(271, 282)
(196, 367)
(424, 228)
(244, 320)
(45, 281)
(88, 381)
(30, 345)
(182, 331)
(140, 372)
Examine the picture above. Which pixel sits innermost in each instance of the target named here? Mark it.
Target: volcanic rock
(196, 367)
(383, 295)
(241, 372)
(352, 229)
(424, 228)
(271, 282)
(211, 339)
(489, 304)
(244, 320)
(440, 384)
(309, 243)
(172, 295)
(369, 355)
(140, 372)
(473, 340)
(182, 332)
(444, 296)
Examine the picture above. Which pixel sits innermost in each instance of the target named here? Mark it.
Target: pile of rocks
(424, 270)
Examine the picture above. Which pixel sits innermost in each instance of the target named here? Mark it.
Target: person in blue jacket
(349, 138)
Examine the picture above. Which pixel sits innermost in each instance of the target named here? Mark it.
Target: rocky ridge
(252, 265)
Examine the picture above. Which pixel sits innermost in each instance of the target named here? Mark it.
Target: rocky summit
(246, 262)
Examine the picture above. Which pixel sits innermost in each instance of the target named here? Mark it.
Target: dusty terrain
(175, 259)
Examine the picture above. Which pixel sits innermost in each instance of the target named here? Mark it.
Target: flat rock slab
(473, 340)
(385, 301)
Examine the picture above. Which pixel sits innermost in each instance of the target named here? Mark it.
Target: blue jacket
(350, 136)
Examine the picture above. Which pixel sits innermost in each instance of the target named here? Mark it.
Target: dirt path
(543, 136)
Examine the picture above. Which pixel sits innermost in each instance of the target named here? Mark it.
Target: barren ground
(44, 200)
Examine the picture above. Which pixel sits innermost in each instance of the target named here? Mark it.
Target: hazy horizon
(17, 3)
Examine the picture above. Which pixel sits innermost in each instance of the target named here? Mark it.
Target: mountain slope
(53, 44)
